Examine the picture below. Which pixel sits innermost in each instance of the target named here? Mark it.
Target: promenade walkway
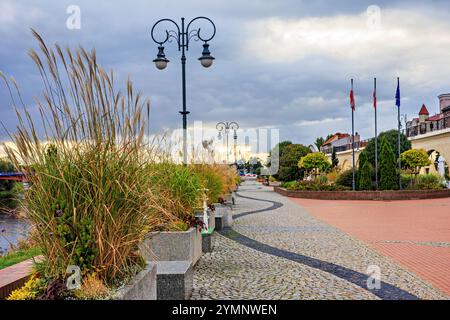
(278, 250)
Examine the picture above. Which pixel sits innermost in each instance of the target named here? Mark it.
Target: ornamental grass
(91, 197)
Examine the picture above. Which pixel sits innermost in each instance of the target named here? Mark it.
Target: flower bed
(365, 195)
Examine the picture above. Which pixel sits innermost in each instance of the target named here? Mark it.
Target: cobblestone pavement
(276, 250)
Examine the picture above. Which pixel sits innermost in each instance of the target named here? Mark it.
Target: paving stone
(302, 256)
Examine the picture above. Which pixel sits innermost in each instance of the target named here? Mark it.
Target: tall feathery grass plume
(91, 198)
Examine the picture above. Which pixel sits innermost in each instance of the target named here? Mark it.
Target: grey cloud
(239, 86)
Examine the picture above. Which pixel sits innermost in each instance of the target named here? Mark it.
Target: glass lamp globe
(206, 59)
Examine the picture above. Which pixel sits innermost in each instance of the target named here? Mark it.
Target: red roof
(436, 117)
(338, 135)
(424, 111)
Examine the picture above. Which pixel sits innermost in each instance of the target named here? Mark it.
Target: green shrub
(344, 179)
(288, 184)
(415, 159)
(182, 184)
(365, 177)
(407, 181)
(289, 169)
(313, 186)
(314, 163)
(429, 182)
(388, 167)
(212, 180)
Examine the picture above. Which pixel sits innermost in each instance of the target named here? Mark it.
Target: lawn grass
(18, 256)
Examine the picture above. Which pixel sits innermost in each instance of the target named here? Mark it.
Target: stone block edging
(141, 287)
(366, 195)
(173, 246)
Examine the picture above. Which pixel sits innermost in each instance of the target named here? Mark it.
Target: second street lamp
(225, 127)
(182, 36)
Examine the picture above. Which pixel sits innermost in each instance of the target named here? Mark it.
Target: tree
(289, 170)
(253, 166)
(319, 142)
(361, 161)
(392, 138)
(314, 163)
(414, 160)
(277, 150)
(388, 166)
(365, 176)
(334, 160)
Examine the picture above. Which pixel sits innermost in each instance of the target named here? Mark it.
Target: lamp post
(225, 127)
(183, 36)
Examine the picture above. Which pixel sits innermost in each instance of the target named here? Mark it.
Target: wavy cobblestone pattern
(279, 251)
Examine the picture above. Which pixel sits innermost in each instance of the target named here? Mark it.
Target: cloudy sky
(279, 64)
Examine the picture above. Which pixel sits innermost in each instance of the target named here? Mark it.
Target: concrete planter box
(142, 287)
(173, 246)
(224, 217)
(366, 195)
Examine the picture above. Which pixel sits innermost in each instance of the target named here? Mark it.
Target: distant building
(340, 142)
(425, 123)
(432, 133)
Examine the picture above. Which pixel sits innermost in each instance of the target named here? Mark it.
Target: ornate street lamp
(225, 127)
(182, 37)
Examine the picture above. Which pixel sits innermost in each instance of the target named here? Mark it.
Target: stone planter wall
(366, 195)
(173, 246)
(142, 287)
(224, 217)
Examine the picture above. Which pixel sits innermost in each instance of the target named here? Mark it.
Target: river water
(11, 231)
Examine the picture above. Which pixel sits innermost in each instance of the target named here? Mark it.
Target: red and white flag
(352, 99)
(375, 98)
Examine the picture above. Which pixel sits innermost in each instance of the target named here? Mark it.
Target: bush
(212, 180)
(388, 168)
(289, 170)
(313, 186)
(407, 181)
(345, 178)
(288, 184)
(30, 291)
(365, 177)
(183, 186)
(415, 159)
(314, 163)
(429, 182)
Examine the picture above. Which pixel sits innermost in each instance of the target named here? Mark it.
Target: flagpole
(376, 134)
(398, 144)
(353, 144)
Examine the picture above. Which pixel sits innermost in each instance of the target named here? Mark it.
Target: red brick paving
(402, 221)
